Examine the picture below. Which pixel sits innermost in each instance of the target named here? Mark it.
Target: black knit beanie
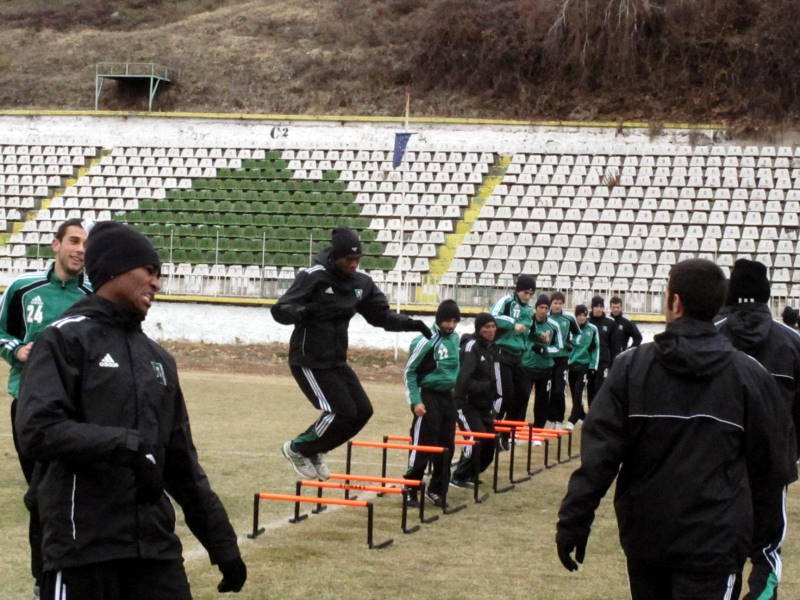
(448, 309)
(543, 299)
(526, 283)
(581, 309)
(598, 301)
(344, 241)
(748, 282)
(481, 320)
(789, 316)
(114, 248)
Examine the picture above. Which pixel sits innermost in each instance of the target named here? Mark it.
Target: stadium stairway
(427, 294)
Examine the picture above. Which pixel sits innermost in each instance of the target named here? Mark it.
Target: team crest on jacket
(158, 369)
(359, 293)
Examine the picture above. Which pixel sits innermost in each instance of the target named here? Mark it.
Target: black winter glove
(234, 574)
(565, 544)
(149, 483)
(417, 325)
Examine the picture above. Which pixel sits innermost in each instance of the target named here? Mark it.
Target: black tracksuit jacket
(476, 385)
(606, 337)
(96, 386)
(751, 329)
(625, 330)
(320, 304)
(695, 429)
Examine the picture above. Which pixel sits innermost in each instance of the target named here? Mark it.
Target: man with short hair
(102, 414)
(690, 427)
(569, 328)
(545, 338)
(476, 396)
(626, 330)
(320, 304)
(606, 336)
(514, 318)
(429, 378)
(30, 303)
(747, 322)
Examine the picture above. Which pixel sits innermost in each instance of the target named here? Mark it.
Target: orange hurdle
(557, 433)
(297, 499)
(538, 435)
(379, 489)
(496, 469)
(394, 446)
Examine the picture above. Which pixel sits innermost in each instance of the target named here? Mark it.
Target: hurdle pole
(547, 434)
(496, 475)
(257, 531)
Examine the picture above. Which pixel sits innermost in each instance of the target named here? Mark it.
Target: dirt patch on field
(272, 359)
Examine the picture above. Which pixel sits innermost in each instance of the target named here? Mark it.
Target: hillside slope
(655, 60)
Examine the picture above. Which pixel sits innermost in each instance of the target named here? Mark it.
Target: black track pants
(435, 428)
(34, 529)
(128, 579)
(558, 383)
(345, 407)
(577, 383)
(472, 419)
(656, 583)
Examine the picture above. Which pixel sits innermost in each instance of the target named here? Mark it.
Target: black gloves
(417, 325)
(234, 574)
(149, 484)
(565, 544)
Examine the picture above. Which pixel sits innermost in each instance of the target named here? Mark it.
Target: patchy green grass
(503, 547)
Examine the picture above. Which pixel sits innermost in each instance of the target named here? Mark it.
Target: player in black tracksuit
(625, 329)
(748, 323)
(690, 428)
(102, 413)
(477, 398)
(606, 335)
(320, 304)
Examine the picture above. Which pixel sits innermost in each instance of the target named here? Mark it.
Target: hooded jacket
(626, 330)
(751, 329)
(320, 303)
(95, 387)
(478, 376)
(692, 424)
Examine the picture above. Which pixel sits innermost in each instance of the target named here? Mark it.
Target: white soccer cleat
(301, 464)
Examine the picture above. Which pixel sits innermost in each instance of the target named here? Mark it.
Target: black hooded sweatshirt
(96, 387)
(690, 427)
(751, 329)
(320, 303)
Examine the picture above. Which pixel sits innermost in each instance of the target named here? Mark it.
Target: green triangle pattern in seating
(259, 211)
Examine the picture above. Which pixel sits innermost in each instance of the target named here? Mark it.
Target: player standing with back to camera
(320, 303)
(691, 429)
(568, 326)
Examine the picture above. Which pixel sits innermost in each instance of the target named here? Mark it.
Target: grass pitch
(502, 548)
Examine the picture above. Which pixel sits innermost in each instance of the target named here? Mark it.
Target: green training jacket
(540, 354)
(569, 326)
(586, 347)
(28, 306)
(432, 363)
(507, 312)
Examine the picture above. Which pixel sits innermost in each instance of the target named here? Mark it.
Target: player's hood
(693, 349)
(750, 325)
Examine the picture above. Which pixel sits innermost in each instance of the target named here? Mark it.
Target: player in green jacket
(584, 357)
(28, 306)
(538, 360)
(558, 381)
(514, 317)
(430, 376)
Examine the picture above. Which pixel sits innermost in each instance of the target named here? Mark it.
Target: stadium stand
(597, 218)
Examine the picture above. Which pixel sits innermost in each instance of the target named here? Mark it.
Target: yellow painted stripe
(354, 119)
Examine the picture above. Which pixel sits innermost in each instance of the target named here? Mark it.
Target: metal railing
(133, 69)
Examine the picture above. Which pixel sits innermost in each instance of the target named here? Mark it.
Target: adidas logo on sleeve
(108, 362)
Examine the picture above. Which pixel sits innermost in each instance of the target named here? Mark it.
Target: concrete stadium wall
(253, 131)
